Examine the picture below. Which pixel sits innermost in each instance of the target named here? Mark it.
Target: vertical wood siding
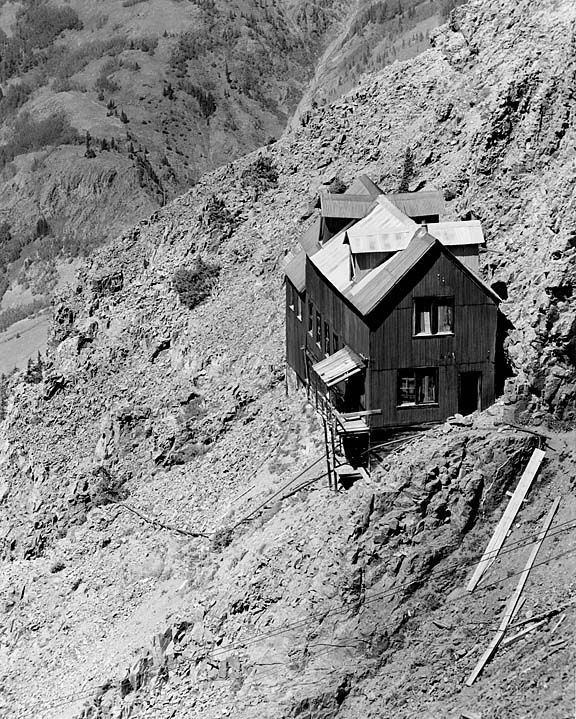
(341, 318)
(295, 334)
(393, 346)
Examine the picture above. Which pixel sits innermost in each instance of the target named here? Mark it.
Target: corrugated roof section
(467, 232)
(345, 206)
(295, 271)
(339, 366)
(418, 204)
(385, 242)
(363, 185)
(385, 219)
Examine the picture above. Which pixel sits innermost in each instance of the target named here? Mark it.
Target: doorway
(469, 392)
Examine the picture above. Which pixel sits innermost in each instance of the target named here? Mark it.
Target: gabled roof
(345, 206)
(363, 185)
(339, 366)
(418, 204)
(366, 294)
(467, 232)
(333, 262)
(377, 284)
(295, 271)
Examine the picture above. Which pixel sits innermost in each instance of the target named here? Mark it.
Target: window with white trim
(433, 316)
(417, 386)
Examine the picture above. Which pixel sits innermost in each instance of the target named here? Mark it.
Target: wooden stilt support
(331, 430)
(327, 454)
(513, 601)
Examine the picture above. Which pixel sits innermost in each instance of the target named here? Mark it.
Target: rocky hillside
(163, 502)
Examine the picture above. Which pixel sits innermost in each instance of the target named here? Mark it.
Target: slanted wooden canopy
(339, 366)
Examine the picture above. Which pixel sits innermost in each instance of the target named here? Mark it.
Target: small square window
(418, 386)
(433, 316)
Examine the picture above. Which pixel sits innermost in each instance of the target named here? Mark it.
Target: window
(298, 307)
(326, 339)
(310, 318)
(318, 329)
(335, 342)
(418, 386)
(433, 316)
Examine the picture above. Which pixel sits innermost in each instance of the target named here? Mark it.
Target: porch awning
(339, 366)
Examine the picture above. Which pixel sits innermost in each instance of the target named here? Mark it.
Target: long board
(503, 527)
(513, 601)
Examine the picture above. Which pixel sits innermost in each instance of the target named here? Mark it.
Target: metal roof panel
(339, 366)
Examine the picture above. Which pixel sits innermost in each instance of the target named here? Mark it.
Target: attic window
(417, 386)
(433, 316)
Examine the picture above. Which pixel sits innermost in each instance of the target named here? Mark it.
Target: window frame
(318, 328)
(434, 303)
(291, 295)
(310, 318)
(299, 308)
(418, 373)
(335, 342)
(326, 339)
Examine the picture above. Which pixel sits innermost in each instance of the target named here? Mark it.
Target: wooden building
(387, 321)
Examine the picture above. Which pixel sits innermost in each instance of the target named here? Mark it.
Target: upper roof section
(333, 261)
(363, 185)
(375, 232)
(426, 203)
(345, 206)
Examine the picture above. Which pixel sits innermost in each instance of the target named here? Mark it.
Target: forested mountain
(110, 109)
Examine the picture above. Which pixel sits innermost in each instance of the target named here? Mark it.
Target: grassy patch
(194, 284)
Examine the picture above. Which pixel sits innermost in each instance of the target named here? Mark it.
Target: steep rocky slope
(319, 604)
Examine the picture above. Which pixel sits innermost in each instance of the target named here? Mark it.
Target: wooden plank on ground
(513, 601)
(515, 637)
(503, 527)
